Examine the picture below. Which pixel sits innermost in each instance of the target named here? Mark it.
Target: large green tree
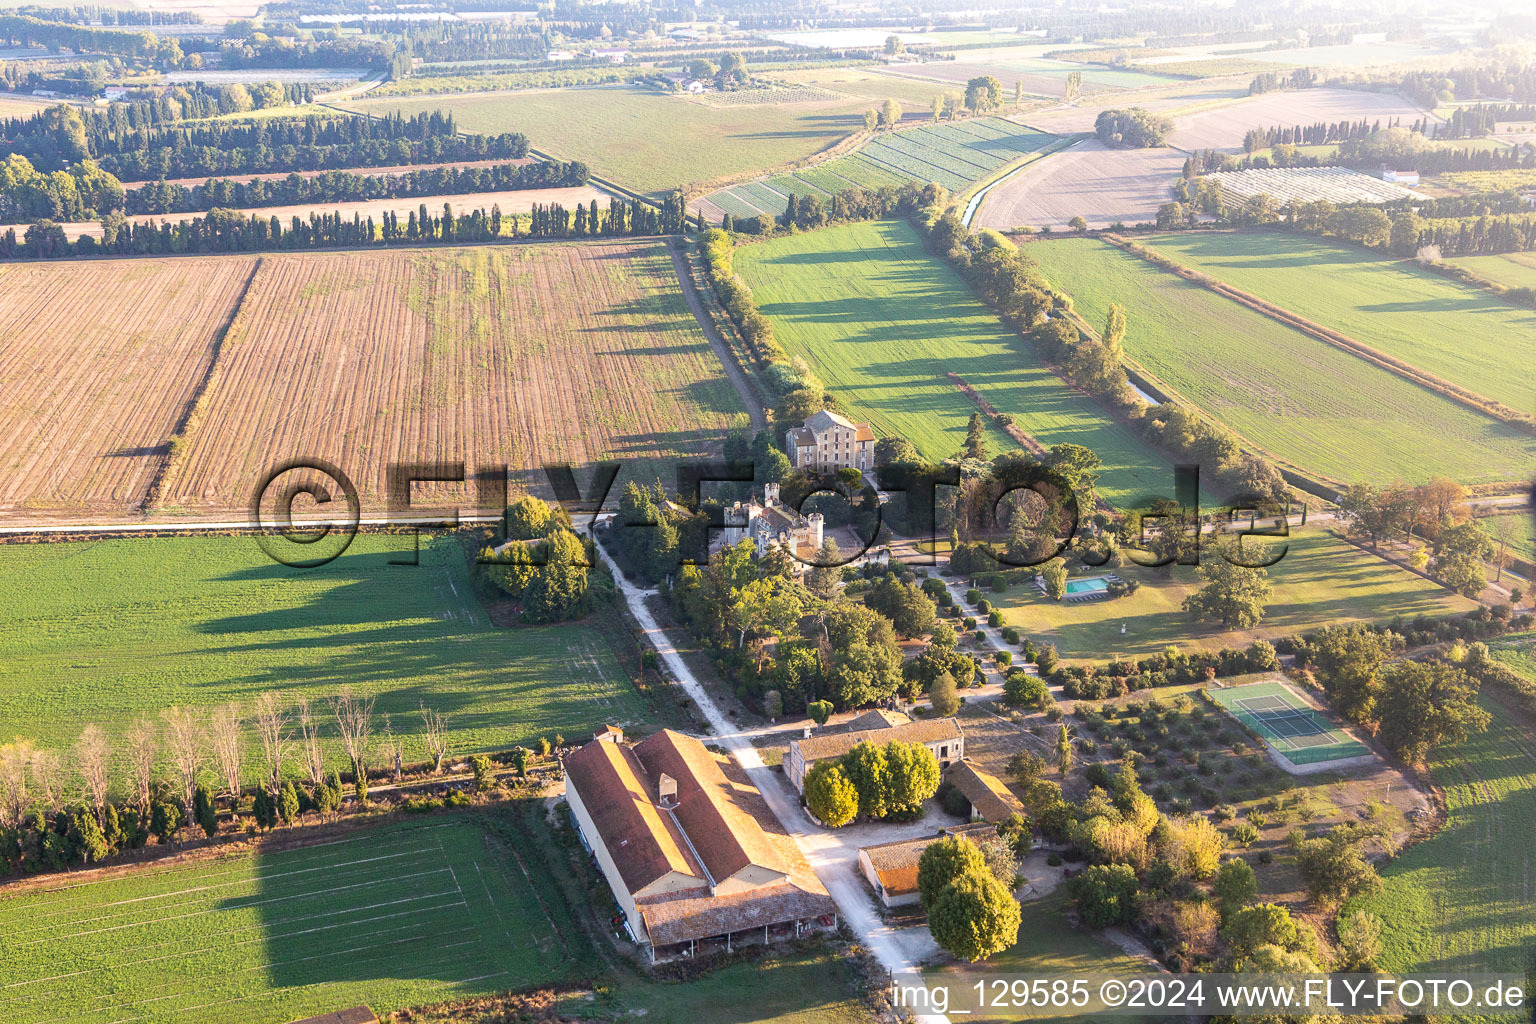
(914, 777)
(1425, 705)
(830, 795)
(1233, 595)
(974, 917)
(945, 860)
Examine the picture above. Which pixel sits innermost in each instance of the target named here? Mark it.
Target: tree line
(1134, 128)
(1319, 133)
(347, 186)
(60, 135)
(25, 30)
(111, 792)
(1011, 283)
(221, 230)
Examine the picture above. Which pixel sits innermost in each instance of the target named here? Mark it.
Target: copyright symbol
(278, 490)
(1112, 992)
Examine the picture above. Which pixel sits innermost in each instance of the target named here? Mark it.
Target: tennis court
(1289, 726)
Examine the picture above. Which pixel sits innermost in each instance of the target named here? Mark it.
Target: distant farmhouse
(891, 868)
(940, 735)
(684, 849)
(828, 442)
(769, 523)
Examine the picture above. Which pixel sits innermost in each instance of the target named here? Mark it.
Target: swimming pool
(1096, 585)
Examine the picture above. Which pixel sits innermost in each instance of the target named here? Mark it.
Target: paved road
(832, 854)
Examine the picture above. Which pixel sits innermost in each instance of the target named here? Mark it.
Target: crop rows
(98, 363)
(884, 323)
(406, 916)
(1307, 185)
(954, 155)
(1296, 397)
(522, 356)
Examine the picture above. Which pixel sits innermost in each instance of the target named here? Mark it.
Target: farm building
(990, 799)
(1409, 178)
(828, 442)
(891, 868)
(684, 849)
(940, 735)
(769, 523)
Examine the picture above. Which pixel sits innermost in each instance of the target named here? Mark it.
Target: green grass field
(1294, 396)
(112, 630)
(883, 322)
(1461, 333)
(1049, 947)
(391, 917)
(1515, 269)
(1461, 900)
(955, 154)
(1320, 580)
(643, 139)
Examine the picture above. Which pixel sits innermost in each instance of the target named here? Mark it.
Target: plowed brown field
(517, 355)
(99, 361)
(523, 355)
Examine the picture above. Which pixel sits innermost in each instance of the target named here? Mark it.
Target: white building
(1409, 178)
(828, 442)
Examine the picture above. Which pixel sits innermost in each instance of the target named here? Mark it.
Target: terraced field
(954, 154)
(883, 322)
(1303, 401)
(1460, 333)
(392, 917)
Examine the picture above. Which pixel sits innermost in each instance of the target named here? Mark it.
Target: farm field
(613, 129)
(100, 361)
(1292, 395)
(517, 355)
(1321, 580)
(1178, 96)
(1460, 900)
(1090, 180)
(112, 630)
(518, 201)
(883, 322)
(1223, 127)
(954, 154)
(1306, 185)
(393, 916)
(1040, 76)
(866, 84)
(1461, 333)
(1512, 269)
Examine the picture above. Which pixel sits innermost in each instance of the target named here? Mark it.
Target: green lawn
(1321, 580)
(1296, 397)
(442, 909)
(1461, 900)
(112, 630)
(789, 986)
(1515, 269)
(883, 322)
(1049, 947)
(1461, 333)
(643, 139)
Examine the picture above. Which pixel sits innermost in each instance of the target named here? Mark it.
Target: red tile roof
(644, 842)
(725, 836)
